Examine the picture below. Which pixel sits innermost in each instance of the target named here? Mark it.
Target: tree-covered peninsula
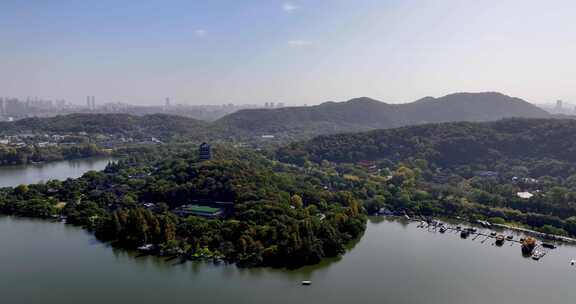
(274, 214)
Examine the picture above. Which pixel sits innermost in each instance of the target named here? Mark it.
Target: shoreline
(541, 235)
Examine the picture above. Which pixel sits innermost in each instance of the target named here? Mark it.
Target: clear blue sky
(308, 51)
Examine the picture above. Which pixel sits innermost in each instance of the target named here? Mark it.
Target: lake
(395, 262)
(11, 176)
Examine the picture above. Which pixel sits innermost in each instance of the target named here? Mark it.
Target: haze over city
(297, 52)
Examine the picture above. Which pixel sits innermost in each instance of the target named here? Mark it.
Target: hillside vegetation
(463, 169)
(448, 144)
(363, 114)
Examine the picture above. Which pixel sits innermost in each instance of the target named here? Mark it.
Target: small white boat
(145, 248)
(306, 283)
(572, 262)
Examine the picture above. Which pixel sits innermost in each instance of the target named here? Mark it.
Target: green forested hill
(464, 169)
(363, 114)
(448, 144)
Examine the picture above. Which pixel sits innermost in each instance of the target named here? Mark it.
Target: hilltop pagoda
(204, 152)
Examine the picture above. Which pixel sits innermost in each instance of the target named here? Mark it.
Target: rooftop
(200, 209)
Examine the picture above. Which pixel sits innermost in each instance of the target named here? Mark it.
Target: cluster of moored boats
(529, 245)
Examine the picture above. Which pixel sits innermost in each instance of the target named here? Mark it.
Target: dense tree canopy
(474, 169)
(282, 216)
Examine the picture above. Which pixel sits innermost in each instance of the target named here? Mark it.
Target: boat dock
(484, 235)
(538, 234)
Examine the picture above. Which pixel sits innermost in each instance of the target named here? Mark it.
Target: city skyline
(296, 52)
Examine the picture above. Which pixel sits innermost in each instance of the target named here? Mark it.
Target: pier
(485, 234)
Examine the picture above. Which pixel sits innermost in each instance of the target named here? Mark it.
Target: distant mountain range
(361, 114)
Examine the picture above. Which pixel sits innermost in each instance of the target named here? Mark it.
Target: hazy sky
(307, 51)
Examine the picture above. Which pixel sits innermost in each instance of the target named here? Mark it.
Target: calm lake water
(395, 262)
(11, 176)
(42, 262)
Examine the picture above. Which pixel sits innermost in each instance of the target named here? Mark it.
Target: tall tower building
(558, 106)
(91, 103)
(204, 152)
(167, 103)
(2, 106)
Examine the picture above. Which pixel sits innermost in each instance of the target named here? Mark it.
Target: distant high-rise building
(266, 105)
(205, 152)
(2, 106)
(558, 106)
(280, 105)
(167, 104)
(91, 103)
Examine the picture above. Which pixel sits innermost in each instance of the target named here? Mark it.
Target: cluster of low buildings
(23, 140)
(46, 140)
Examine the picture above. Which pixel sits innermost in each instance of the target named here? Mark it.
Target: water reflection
(394, 262)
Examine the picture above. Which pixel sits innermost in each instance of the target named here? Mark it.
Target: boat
(464, 234)
(146, 248)
(549, 245)
(528, 245)
(492, 233)
(572, 262)
(306, 283)
(509, 237)
(500, 240)
(485, 224)
(443, 229)
(406, 216)
(537, 255)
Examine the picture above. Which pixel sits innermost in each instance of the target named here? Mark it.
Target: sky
(296, 52)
